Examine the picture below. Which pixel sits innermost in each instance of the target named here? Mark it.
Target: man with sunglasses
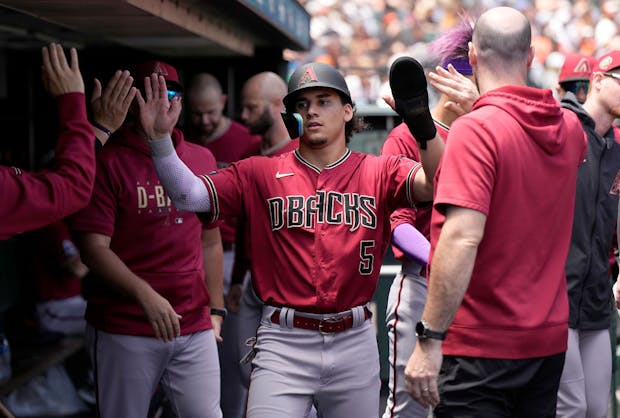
(575, 76)
(586, 377)
(148, 306)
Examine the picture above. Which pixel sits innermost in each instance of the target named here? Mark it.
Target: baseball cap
(145, 69)
(608, 62)
(576, 67)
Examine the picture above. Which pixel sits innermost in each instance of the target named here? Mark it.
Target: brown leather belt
(327, 325)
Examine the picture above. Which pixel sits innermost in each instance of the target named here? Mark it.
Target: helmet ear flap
(315, 74)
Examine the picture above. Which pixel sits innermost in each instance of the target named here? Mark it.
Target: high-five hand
(111, 105)
(58, 76)
(157, 115)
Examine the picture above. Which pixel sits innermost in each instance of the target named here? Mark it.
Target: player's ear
(223, 100)
(530, 56)
(471, 54)
(348, 112)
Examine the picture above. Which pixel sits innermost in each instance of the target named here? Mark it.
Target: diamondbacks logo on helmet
(308, 77)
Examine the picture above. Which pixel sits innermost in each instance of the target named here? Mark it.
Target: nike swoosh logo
(280, 175)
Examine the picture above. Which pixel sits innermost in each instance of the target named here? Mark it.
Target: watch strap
(219, 312)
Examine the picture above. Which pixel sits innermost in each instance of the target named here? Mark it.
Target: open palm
(158, 116)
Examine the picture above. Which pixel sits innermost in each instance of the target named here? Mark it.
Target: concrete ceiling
(163, 27)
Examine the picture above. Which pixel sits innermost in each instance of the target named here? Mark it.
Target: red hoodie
(515, 159)
(33, 200)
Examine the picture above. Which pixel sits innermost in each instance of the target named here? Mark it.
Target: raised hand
(460, 89)
(408, 85)
(58, 76)
(158, 116)
(110, 107)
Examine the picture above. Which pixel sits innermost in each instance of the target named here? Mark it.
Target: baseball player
(33, 200)
(229, 141)
(148, 307)
(408, 291)
(322, 215)
(575, 76)
(586, 377)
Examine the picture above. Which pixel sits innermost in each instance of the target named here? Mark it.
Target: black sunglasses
(575, 86)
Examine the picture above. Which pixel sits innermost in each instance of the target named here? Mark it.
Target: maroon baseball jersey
(400, 141)
(33, 200)
(320, 234)
(156, 241)
(242, 257)
(234, 144)
(514, 158)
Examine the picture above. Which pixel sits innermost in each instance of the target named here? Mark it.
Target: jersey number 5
(367, 259)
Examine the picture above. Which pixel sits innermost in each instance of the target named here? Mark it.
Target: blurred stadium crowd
(363, 37)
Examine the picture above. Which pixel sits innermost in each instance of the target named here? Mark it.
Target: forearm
(411, 242)
(429, 157)
(214, 272)
(33, 200)
(107, 266)
(185, 189)
(450, 275)
(452, 265)
(241, 263)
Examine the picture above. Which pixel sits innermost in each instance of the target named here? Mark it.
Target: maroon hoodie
(154, 240)
(515, 159)
(33, 200)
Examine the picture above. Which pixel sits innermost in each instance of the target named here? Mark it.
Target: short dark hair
(355, 125)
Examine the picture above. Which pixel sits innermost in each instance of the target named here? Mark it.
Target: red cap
(576, 67)
(145, 69)
(608, 62)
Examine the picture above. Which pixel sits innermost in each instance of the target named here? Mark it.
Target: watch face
(419, 329)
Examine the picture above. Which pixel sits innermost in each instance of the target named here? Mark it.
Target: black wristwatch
(219, 312)
(424, 332)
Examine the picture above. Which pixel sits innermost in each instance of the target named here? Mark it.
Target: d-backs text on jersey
(325, 207)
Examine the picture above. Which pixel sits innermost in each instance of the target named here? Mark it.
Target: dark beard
(262, 124)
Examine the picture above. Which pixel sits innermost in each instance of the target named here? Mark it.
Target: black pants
(494, 388)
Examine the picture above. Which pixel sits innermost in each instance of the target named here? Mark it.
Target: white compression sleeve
(186, 190)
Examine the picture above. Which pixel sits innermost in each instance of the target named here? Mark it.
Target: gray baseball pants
(128, 369)
(296, 368)
(404, 309)
(586, 377)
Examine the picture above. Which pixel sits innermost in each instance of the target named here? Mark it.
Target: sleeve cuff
(161, 147)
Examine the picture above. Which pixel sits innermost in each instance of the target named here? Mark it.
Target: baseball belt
(327, 325)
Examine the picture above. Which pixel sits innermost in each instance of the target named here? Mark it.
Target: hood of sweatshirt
(129, 136)
(570, 102)
(536, 110)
